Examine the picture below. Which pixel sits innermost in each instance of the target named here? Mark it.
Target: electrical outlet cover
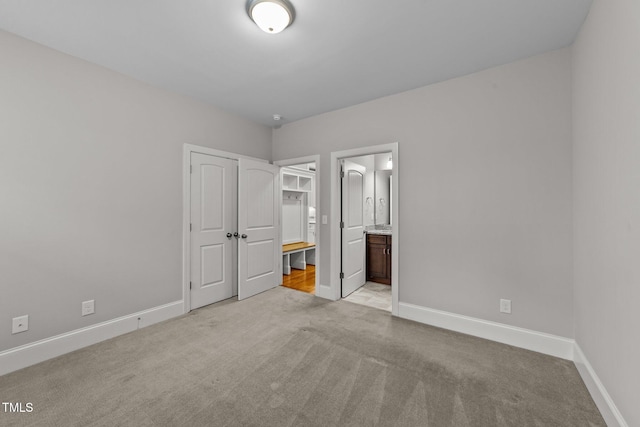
(88, 307)
(505, 306)
(20, 324)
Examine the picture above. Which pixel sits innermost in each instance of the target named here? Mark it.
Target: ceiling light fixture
(272, 16)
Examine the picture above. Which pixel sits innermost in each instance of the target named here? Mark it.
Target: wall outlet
(505, 306)
(20, 324)
(88, 307)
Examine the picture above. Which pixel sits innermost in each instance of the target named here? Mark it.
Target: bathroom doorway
(366, 225)
(375, 216)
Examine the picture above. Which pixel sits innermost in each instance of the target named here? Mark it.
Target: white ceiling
(337, 52)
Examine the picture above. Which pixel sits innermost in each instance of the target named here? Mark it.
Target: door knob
(244, 236)
(229, 235)
(236, 235)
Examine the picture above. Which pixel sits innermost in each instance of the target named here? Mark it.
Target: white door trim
(186, 210)
(299, 160)
(334, 220)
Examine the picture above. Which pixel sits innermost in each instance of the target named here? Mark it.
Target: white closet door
(353, 237)
(259, 249)
(213, 219)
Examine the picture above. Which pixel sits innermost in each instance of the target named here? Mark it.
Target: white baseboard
(553, 345)
(39, 351)
(518, 337)
(608, 409)
(325, 291)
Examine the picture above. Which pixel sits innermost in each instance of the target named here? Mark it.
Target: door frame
(186, 210)
(296, 161)
(334, 221)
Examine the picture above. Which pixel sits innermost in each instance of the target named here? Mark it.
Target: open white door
(353, 237)
(213, 220)
(259, 249)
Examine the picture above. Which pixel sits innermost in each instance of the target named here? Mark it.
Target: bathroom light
(389, 163)
(272, 16)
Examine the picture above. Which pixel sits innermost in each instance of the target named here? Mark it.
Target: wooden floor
(301, 280)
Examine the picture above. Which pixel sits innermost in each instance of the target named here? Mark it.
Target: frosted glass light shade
(272, 16)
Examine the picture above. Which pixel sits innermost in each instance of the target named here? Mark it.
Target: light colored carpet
(286, 358)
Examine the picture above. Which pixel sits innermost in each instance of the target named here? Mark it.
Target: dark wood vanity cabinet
(379, 258)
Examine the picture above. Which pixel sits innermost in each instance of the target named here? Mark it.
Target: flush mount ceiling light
(272, 16)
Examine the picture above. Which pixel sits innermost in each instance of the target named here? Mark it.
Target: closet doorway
(300, 228)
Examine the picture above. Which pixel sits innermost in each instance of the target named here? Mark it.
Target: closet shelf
(296, 182)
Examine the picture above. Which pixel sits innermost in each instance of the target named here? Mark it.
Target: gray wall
(606, 128)
(485, 188)
(91, 188)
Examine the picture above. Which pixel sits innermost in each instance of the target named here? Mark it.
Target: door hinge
(342, 275)
(341, 174)
(189, 285)
(341, 224)
(190, 168)
(190, 227)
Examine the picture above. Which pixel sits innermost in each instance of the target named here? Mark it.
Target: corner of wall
(601, 397)
(541, 342)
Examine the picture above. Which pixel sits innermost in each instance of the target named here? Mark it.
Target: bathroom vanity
(379, 256)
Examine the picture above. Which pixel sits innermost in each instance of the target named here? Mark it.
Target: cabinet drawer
(377, 239)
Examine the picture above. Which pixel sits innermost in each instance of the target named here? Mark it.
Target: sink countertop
(385, 232)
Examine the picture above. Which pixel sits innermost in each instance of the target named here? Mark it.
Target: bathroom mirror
(377, 189)
(382, 197)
